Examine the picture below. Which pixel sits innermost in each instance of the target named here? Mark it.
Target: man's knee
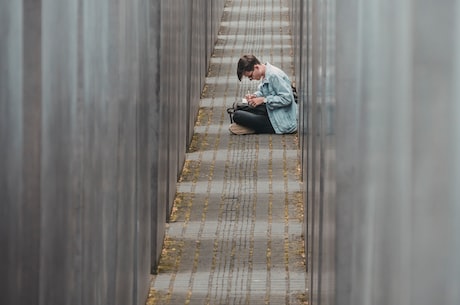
(238, 116)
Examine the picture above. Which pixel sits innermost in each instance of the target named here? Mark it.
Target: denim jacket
(281, 107)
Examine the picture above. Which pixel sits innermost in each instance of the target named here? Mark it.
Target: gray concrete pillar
(382, 205)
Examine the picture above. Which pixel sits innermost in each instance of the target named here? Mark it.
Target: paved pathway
(235, 233)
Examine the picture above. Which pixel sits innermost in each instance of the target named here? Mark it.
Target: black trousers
(255, 118)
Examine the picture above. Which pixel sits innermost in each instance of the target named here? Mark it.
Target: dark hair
(246, 64)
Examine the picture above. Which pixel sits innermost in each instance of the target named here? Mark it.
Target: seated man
(273, 107)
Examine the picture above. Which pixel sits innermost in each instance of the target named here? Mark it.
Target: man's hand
(255, 101)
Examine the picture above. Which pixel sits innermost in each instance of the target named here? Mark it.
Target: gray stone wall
(97, 106)
(380, 138)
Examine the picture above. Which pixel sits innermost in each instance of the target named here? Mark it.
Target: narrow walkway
(235, 233)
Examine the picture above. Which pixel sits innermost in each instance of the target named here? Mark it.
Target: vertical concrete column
(20, 121)
(157, 136)
(381, 205)
(75, 156)
(397, 210)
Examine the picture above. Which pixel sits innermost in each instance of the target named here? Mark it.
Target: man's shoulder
(274, 71)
